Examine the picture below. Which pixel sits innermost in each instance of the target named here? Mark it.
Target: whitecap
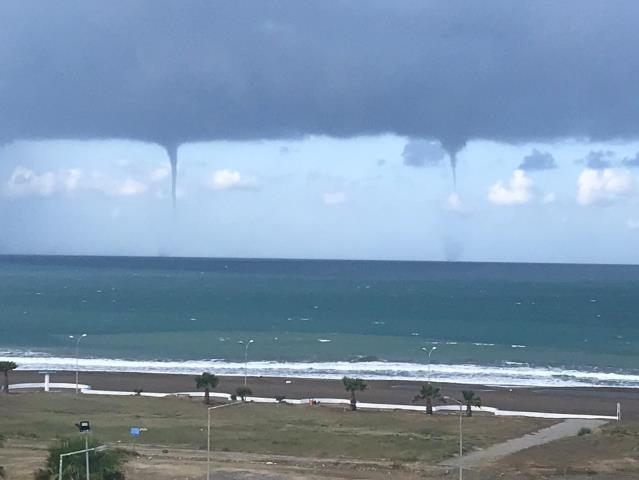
(512, 375)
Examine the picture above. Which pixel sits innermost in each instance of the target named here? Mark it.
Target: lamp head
(83, 426)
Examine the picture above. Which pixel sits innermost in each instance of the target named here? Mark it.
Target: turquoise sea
(514, 324)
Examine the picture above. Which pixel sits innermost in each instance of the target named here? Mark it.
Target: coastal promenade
(558, 403)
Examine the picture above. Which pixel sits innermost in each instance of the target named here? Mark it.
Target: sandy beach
(588, 401)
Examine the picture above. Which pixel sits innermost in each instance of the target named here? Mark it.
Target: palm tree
(354, 385)
(430, 393)
(471, 400)
(243, 391)
(6, 367)
(208, 382)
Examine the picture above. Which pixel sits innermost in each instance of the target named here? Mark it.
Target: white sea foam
(507, 375)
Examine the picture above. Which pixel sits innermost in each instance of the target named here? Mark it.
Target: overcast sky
(324, 129)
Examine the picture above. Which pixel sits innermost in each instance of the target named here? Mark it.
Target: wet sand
(590, 401)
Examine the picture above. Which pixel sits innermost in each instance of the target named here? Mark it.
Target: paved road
(567, 428)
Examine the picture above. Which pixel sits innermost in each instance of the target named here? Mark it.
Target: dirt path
(567, 428)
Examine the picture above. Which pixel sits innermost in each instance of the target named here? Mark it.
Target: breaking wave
(510, 374)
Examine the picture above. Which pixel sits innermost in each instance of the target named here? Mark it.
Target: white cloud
(26, 182)
(632, 224)
(130, 187)
(227, 179)
(335, 198)
(455, 204)
(518, 191)
(72, 180)
(160, 174)
(603, 186)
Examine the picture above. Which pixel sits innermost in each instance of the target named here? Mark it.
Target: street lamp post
(430, 352)
(77, 339)
(246, 347)
(461, 435)
(461, 440)
(208, 437)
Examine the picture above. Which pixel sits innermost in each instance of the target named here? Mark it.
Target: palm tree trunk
(6, 381)
(429, 406)
(469, 410)
(206, 396)
(353, 401)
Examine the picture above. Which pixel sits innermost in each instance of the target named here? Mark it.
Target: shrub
(105, 465)
(138, 392)
(584, 431)
(233, 397)
(3, 474)
(42, 474)
(279, 398)
(243, 392)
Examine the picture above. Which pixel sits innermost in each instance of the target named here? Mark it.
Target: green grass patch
(278, 429)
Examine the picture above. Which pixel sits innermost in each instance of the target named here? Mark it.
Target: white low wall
(40, 386)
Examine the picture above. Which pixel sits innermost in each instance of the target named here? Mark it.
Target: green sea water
(583, 317)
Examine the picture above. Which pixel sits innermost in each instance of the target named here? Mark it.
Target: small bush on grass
(584, 431)
(105, 465)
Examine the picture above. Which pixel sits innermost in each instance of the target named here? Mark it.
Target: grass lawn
(276, 429)
(611, 452)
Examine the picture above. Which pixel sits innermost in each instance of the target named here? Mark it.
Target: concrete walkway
(567, 428)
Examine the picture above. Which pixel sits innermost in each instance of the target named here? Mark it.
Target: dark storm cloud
(423, 153)
(632, 162)
(177, 71)
(599, 159)
(537, 160)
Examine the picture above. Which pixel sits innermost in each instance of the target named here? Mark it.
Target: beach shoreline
(568, 400)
